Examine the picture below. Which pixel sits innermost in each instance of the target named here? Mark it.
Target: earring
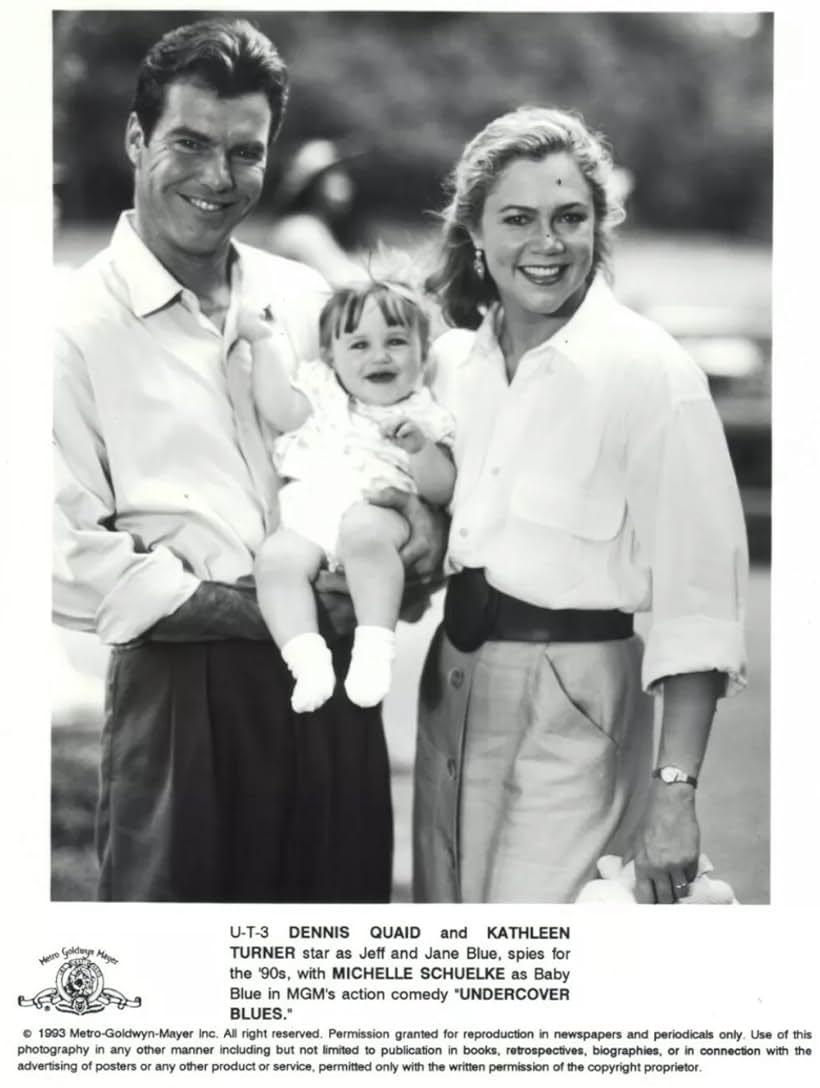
(478, 263)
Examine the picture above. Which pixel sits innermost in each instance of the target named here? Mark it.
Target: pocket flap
(593, 515)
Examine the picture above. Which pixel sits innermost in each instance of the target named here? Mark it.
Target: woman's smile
(542, 275)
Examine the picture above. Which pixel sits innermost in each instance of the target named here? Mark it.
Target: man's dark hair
(231, 57)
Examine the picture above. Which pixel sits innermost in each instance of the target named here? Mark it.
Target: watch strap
(670, 775)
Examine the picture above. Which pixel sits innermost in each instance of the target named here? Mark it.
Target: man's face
(201, 172)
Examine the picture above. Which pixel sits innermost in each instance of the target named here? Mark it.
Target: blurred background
(381, 105)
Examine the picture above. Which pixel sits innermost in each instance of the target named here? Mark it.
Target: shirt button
(495, 471)
(462, 532)
(455, 677)
(451, 768)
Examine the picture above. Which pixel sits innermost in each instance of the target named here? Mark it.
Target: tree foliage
(685, 99)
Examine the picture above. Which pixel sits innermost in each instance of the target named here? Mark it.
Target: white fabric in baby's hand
(616, 884)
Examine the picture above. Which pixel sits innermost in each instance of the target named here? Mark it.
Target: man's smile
(211, 207)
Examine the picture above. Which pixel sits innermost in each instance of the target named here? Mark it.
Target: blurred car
(734, 348)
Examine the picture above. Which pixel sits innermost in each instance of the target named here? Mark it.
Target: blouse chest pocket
(594, 512)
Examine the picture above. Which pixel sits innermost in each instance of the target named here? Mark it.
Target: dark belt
(518, 621)
(475, 612)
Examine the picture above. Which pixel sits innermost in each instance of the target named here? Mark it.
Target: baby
(357, 419)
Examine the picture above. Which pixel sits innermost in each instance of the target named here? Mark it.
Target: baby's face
(378, 363)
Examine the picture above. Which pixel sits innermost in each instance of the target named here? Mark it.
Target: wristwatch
(670, 775)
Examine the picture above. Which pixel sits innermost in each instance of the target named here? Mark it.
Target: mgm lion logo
(79, 988)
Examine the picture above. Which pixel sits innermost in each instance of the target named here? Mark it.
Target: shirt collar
(486, 339)
(583, 333)
(150, 284)
(586, 332)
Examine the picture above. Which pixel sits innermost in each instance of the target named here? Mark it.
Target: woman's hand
(667, 846)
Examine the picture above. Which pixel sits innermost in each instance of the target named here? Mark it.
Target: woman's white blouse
(599, 477)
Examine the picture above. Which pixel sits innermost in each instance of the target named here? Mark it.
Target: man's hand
(667, 846)
(334, 598)
(214, 611)
(423, 553)
(422, 556)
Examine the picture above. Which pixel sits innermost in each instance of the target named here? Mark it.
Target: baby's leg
(286, 566)
(369, 541)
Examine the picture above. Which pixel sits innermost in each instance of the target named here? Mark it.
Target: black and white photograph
(409, 581)
(591, 513)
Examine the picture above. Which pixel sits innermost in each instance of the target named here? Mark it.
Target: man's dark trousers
(213, 790)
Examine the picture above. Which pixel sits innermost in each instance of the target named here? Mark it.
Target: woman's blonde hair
(531, 132)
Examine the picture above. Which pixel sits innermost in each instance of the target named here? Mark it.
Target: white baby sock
(309, 660)
(371, 665)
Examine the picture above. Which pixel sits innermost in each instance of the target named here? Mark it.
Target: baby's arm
(431, 465)
(279, 404)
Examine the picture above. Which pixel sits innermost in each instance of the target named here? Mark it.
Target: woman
(594, 482)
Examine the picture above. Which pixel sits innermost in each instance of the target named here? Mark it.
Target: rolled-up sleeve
(102, 582)
(688, 518)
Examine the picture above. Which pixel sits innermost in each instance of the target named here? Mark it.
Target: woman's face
(536, 231)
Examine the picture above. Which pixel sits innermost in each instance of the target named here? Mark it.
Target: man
(212, 789)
